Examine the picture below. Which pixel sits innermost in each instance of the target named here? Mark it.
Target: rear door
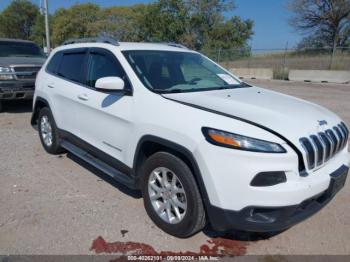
(65, 85)
(105, 117)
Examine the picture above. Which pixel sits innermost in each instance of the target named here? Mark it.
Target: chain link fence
(283, 60)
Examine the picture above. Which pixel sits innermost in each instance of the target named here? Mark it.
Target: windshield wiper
(166, 91)
(178, 90)
(242, 84)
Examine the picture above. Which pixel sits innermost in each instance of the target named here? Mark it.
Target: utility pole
(47, 31)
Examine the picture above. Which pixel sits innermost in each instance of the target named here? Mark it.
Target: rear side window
(54, 63)
(71, 66)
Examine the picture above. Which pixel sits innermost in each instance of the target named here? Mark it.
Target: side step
(100, 165)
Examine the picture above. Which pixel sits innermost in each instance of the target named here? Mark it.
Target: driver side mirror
(111, 83)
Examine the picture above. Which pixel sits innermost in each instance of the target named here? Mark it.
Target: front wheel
(48, 132)
(171, 196)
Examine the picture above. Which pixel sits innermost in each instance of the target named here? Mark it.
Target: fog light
(269, 179)
(263, 215)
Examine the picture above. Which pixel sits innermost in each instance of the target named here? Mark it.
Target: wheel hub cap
(167, 195)
(46, 130)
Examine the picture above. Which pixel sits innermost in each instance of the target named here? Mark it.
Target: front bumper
(269, 219)
(227, 175)
(13, 90)
(233, 203)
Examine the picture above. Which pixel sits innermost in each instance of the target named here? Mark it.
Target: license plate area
(338, 179)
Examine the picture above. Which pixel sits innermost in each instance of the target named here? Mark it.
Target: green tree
(233, 32)
(122, 23)
(196, 23)
(75, 22)
(204, 15)
(165, 20)
(38, 32)
(18, 19)
(228, 40)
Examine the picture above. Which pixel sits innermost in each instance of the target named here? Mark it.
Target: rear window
(71, 66)
(19, 49)
(53, 64)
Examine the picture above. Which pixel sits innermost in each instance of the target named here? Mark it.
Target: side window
(102, 65)
(71, 65)
(53, 64)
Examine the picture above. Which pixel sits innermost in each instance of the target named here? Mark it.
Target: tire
(0, 106)
(52, 145)
(190, 215)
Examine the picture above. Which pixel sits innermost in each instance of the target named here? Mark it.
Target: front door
(105, 117)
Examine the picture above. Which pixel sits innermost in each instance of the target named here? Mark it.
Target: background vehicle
(20, 61)
(200, 144)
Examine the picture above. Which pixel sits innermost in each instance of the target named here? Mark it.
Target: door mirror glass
(110, 83)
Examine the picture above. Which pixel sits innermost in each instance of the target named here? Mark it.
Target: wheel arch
(148, 145)
(39, 104)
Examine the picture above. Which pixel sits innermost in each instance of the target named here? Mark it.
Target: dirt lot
(59, 205)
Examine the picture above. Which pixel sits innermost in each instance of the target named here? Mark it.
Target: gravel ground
(60, 205)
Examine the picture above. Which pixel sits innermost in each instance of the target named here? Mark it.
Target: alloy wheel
(167, 195)
(46, 130)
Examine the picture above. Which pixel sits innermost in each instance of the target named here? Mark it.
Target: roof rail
(176, 45)
(104, 39)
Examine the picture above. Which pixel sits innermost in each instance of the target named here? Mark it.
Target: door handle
(83, 97)
(50, 86)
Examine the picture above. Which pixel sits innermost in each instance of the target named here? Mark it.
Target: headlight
(5, 70)
(6, 73)
(230, 140)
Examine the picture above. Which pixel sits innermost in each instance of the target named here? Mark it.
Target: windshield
(172, 72)
(8, 48)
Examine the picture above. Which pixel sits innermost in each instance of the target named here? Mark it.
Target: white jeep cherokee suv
(201, 145)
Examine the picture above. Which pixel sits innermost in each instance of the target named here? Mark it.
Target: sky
(271, 29)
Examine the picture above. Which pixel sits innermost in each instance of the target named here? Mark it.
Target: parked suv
(20, 61)
(201, 145)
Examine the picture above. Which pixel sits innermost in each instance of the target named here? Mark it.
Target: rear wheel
(48, 132)
(171, 196)
(0, 106)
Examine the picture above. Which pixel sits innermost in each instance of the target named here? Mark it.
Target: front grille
(321, 147)
(26, 72)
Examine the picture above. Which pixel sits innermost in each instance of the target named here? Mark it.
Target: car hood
(16, 60)
(291, 117)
